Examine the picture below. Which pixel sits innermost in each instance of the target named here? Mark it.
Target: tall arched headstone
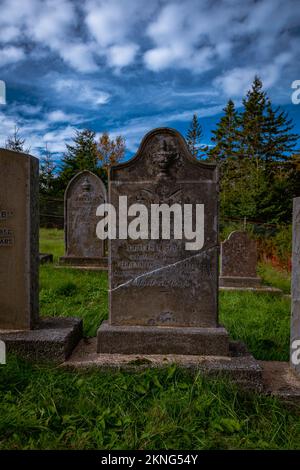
(164, 297)
(84, 193)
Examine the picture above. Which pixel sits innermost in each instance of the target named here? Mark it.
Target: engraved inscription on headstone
(238, 261)
(157, 284)
(6, 237)
(84, 194)
(295, 319)
(19, 221)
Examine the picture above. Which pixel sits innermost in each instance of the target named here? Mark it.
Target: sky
(128, 66)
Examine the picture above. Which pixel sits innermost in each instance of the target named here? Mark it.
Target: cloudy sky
(127, 66)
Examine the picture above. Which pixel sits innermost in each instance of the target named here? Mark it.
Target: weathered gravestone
(295, 320)
(238, 261)
(83, 195)
(19, 228)
(20, 327)
(164, 297)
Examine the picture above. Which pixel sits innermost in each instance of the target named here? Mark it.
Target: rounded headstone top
(87, 177)
(238, 234)
(163, 153)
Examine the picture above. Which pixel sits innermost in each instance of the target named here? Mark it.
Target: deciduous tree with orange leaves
(110, 151)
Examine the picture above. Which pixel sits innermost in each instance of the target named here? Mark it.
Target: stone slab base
(261, 289)
(162, 340)
(233, 281)
(46, 258)
(87, 263)
(239, 366)
(281, 381)
(53, 340)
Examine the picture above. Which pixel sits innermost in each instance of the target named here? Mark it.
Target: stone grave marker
(21, 329)
(238, 261)
(19, 228)
(295, 320)
(83, 195)
(163, 296)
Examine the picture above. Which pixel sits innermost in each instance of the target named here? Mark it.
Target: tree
(225, 137)
(254, 147)
(110, 151)
(194, 136)
(251, 137)
(47, 172)
(15, 142)
(279, 142)
(80, 155)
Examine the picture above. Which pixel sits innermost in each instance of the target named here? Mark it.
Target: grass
(70, 292)
(44, 408)
(48, 408)
(261, 321)
(276, 278)
(52, 241)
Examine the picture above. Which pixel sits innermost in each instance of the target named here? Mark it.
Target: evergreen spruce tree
(80, 155)
(279, 141)
(15, 142)
(47, 173)
(225, 137)
(253, 123)
(194, 136)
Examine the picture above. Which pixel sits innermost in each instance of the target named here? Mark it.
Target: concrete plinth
(53, 340)
(234, 281)
(162, 340)
(84, 262)
(238, 366)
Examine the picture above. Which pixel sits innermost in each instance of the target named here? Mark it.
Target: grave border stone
(295, 289)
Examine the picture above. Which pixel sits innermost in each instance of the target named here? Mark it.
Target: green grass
(43, 408)
(52, 241)
(48, 408)
(71, 292)
(261, 321)
(276, 278)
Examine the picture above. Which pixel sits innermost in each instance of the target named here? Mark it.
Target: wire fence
(52, 215)
(51, 212)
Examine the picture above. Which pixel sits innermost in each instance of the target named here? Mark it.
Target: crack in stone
(154, 271)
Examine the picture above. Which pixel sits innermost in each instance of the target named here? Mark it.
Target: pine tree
(225, 137)
(110, 151)
(253, 123)
(279, 141)
(194, 136)
(80, 155)
(47, 172)
(15, 142)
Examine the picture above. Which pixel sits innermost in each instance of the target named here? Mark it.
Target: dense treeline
(254, 148)
(255, 152)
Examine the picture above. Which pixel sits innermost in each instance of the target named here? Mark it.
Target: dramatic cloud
(10, 55)
(128, 65)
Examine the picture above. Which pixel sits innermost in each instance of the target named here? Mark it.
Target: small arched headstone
(84, 193)
(238, 261)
